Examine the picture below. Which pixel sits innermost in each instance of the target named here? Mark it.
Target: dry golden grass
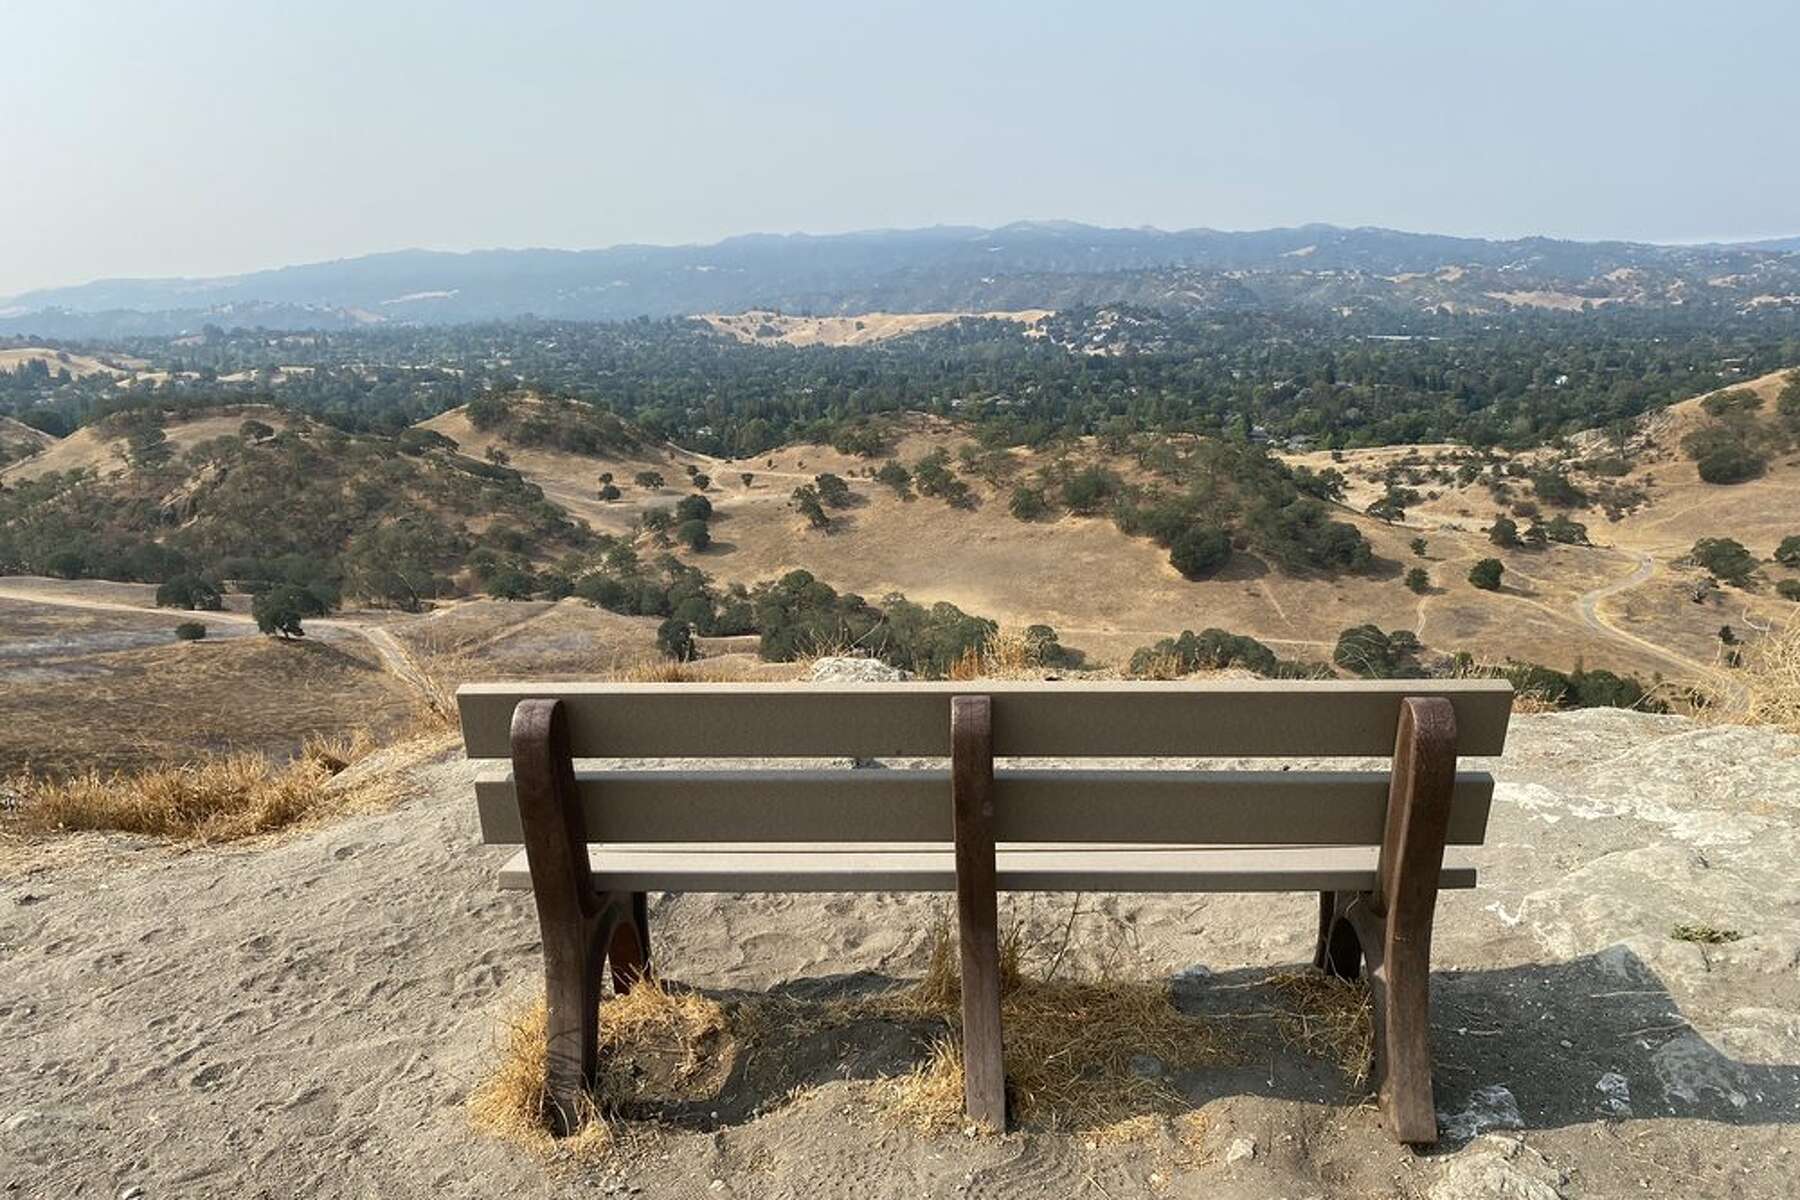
(212, 800)
(511, 1103)
(1069, 1046)
(1328, 1018)
(668, 670)
(1770, 679)
(1160, 666)
(127, 710)
(683, 1031)
(1009, 654)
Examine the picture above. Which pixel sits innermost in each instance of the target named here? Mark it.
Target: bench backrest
(714, 801)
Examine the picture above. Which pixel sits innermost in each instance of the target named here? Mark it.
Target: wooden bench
(1371, 843)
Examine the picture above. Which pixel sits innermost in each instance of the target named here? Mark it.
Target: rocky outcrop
(845, 669)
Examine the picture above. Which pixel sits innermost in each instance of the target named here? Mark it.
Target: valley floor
(306, 1016)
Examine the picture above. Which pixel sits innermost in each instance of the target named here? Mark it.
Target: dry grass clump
(1164, 667)
(1007, 653)
(512, 1103)
(211, 800)
(669, 670)
(1770, 678)
(1328, 1018)
(1070, 1046)
(679, 1031)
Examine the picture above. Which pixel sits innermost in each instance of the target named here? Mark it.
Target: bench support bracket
(1388, 930)
(977, 908)
(580, 927)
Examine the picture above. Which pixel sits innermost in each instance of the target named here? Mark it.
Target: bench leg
(1412, 858)
(1390, 927)
(1339, 953)
(630, 948)
(577, 924)
(977, 909)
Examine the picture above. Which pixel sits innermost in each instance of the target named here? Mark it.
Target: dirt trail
(1588, 606)
(387, 647)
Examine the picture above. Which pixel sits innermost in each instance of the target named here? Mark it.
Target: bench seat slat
(859, 867)
(1128, 806)
(1261, 718)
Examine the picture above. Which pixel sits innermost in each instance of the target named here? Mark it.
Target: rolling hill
(1623, 602)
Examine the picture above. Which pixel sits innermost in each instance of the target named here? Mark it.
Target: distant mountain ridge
(1025, 264)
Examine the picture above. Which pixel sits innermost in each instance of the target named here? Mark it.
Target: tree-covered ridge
(1513, 379)
(389, 520)
(552, 422)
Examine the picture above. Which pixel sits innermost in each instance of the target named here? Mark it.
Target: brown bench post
(577, 924)
(977, 908)
(1392, 924)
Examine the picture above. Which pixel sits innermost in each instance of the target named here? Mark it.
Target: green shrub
(1200, 551)
(190, 631)
(189, 591)
(1365, 650)
(1486, 574)
(833, 491)
(806, 499)
(1725, 559)
(1211, 649)
(895, 476)
(675, 638)
(1028, 503)
(1725, 454)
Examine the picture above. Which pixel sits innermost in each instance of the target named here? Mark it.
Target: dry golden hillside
(78, 365)
(19, 441)
(92, 449)
(764, 328)
(1621, 603)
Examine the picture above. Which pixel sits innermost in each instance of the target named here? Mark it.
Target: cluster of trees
(688, 521)
(796, 616)
(1735, 445)
(1216, 649)
(552, 422)
(1514, 379)
(1370, 652)
(380, 518)
(825, 491)
(1580, 688)
(1367, 651)
(1725, 559)
(932, 476)
(1211, 497)
(1561, 528)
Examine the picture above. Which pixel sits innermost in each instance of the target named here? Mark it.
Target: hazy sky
(145, 138)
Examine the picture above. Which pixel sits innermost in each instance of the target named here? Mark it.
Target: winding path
(387, 647)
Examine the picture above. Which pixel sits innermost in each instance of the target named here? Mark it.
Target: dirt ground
(308, 1016)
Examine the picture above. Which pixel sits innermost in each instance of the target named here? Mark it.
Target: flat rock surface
(306, 1017)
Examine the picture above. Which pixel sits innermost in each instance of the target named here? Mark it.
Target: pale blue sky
(196, 138)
